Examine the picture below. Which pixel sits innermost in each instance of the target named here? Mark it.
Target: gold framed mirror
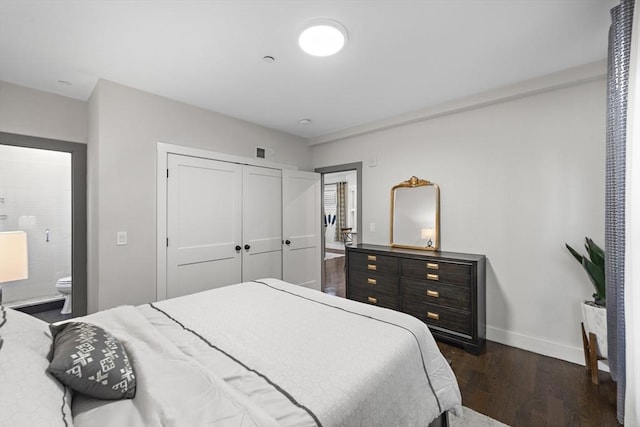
(415, 215)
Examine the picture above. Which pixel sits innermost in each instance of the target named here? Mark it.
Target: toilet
(64, 287)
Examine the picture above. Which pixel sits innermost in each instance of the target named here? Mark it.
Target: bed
(260, 353)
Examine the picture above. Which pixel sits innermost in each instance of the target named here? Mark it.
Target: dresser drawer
(372, 280)
(370, 262)
(441, 317)
(445, 290)
(437, 271)
(441, 294)
(375, 297)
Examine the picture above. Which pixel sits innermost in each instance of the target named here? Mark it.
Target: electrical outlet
(121, 238)
(372, 227)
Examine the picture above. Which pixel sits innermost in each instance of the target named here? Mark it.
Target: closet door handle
(288, 242)
(238, 247)
(247, 247)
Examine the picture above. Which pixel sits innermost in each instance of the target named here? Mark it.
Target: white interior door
(301, 255)
(261, 223)
(204, 206)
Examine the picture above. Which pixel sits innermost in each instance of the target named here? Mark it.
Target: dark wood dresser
(446, 290)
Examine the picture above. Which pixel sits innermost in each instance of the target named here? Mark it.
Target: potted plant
(594, 266)
(594, 313)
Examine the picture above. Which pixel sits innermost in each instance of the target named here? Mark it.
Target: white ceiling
(401, 56)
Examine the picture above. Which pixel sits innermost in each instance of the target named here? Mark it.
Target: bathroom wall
(35, 195)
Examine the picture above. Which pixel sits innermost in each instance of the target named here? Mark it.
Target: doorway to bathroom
(43, 197)
(342, 218)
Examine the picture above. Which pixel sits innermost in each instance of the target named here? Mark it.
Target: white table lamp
(14, 258)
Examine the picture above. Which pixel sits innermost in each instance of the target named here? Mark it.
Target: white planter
(594, 318)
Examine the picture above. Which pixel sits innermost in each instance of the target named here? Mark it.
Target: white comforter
(269, 353)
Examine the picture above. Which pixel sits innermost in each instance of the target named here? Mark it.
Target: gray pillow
(90, 360)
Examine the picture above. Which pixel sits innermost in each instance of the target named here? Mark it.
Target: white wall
(93, 213)
(518, 179)
(32, 112)
(126, 126)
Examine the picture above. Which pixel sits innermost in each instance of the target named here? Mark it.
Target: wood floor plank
(521, 388)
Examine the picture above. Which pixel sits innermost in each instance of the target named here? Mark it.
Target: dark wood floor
(520, 388)
(334, 275)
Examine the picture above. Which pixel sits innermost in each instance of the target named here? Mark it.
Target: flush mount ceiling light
(322, 37)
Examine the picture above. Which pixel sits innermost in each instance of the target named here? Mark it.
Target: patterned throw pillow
(91, 361)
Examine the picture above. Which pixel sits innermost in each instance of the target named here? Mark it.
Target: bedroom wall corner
(93, 211)
(131, 123)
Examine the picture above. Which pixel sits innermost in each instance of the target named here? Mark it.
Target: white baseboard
(536, 345)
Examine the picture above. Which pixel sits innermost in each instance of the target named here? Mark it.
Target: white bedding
(270, 353)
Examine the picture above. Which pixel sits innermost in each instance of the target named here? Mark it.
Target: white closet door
(204, 207)
(301, 228)
(261, 223)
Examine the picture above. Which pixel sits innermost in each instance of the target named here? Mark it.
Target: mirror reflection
(415, 215)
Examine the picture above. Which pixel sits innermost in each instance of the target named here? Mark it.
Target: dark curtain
(618, 78)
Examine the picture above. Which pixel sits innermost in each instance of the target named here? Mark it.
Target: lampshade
(14, 259)
(426, 233)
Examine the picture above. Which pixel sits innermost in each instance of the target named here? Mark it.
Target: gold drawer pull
(371, 267)
(433, 266)
(434, 294)
(432, 276)
(371, 257)
(372, 300)
(371, 281)
(434, 316)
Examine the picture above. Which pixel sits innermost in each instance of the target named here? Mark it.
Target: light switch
(121, 238)
(372, 227)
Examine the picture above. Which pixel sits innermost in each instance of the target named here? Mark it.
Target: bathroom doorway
(43, 194)
(342, 218)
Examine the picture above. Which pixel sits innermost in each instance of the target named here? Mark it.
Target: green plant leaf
(595, 253)
(575, 253)
(593, 266)
(596, 275)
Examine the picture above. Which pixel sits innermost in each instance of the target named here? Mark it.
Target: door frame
(347, 167)
(163, 150)
(78, 153)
